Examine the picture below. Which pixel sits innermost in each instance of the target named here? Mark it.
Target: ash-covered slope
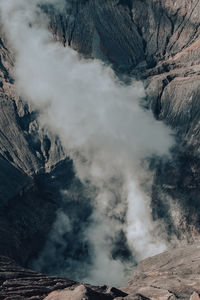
(152, 40)
(159, 43)
(28, 197)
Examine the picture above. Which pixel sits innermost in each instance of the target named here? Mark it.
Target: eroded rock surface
(168, 276)
(33, 169)
(19, 283)
(157, 42)
(173, 274)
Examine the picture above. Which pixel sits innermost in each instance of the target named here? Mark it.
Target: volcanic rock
(19, 283)
(156, 41)
(173, 274)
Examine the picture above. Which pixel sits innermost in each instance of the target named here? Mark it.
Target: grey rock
(156, 41)
(119, 39)
(33, 164)
(19, 283)
(173, 274)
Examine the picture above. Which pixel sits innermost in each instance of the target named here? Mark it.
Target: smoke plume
(105, 130)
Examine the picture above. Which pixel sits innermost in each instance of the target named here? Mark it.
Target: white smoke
(101, 124)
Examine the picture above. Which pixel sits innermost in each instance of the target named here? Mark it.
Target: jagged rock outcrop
(19, 283)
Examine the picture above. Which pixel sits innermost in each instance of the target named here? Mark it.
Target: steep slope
(158, 42)
(155, 41)
(28, 197)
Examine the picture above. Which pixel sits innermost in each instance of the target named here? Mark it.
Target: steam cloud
(104, 128)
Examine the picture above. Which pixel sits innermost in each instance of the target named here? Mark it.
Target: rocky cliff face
(158, 42)
(153, 40)
(32, 165)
